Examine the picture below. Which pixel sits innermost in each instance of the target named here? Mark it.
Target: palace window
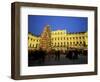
(55, 44)
(67, 43)
(67, 38)
(58, 44)
(61, 38)
(31, 45)
(76, 37)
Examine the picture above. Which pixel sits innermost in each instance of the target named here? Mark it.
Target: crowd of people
(40, 56)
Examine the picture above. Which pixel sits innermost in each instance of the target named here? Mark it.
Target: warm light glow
(58, 40)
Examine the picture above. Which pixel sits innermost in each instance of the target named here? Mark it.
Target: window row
(68, 43)
(34, 45)
(68, 38)
(33, 39)
(57, 33)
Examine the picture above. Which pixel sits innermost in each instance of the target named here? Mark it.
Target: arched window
(61, 38)
(64, 38)
(67, 38)
(67, 43)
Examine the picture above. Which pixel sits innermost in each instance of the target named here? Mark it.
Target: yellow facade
(61, 40)
(58, 39)
(33, 42)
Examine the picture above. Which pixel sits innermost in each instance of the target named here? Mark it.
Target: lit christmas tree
(45, 42)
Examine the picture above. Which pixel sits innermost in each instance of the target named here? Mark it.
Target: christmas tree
(45, 42)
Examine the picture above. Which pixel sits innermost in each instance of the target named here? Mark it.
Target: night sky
(36, 23)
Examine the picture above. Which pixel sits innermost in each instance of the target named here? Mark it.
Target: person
(57, 55)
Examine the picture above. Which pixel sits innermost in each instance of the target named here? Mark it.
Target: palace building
(58, 40)
(33, 41)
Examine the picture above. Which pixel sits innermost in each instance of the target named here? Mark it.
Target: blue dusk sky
(36, 23)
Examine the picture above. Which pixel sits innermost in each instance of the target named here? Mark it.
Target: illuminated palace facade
(60, 40)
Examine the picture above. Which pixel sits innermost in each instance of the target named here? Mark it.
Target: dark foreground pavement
(63, 60)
